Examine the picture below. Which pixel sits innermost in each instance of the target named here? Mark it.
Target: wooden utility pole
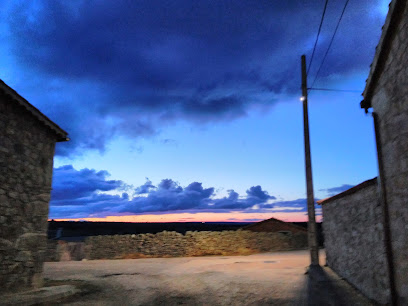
(312, 237)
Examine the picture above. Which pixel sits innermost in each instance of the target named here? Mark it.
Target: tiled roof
(396, 9)
(11, 93)
(274, 225)
(352, 190)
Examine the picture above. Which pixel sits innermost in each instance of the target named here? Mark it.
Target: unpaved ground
(262, 279)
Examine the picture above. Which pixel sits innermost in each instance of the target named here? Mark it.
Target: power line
(332, 89)
(317, 37)
(331, 41)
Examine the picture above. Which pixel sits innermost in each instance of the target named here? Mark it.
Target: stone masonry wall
(173, 244)
(354, 244)
(390, 102)
(26, 162)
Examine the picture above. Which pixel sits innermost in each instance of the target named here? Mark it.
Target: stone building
(354, 239)
(386, 97)
(386, 93)
(27, 142)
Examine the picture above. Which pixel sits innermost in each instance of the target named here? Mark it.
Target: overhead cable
(333, 89)
(317, 37)
(330, 44)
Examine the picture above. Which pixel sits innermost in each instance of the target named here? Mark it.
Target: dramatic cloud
(255, 196)
(145, 188)
(335, 190)
(70, 185)
(170, 196)
(83, 193)
(106, 68)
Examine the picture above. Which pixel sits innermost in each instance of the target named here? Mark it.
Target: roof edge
(395, 11)
(279, 221)
(350, 191)
(61, 134)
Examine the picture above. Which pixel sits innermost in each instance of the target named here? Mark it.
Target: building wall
(354, 243)
(390, 102)
(173, 244)
(26, 162)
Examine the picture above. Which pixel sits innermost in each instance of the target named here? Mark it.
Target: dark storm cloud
(79, 194)
(255, 196)
(170, 196)
(256, 193)
(145, 188)
(128, 67)
(335, 190)
(70, 185)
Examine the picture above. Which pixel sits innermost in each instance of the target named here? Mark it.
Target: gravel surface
(262, 279)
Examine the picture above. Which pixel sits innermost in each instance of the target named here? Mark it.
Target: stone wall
(353, 230)
(390, 102)
(26, 163)
(173, 244)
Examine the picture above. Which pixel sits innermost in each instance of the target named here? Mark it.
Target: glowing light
(302, 98)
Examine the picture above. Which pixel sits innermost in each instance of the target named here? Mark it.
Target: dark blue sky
(192, 91)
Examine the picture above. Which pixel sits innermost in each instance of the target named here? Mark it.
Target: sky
(189, 110)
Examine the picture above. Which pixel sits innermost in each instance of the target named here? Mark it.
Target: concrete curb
(42, 295)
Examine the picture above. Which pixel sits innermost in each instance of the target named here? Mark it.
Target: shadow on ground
(324, 287)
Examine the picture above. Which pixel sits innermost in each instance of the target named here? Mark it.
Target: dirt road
(262, 279)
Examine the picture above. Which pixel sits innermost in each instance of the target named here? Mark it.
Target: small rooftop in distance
(13, 95)
(273, 225)
(352, 190)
